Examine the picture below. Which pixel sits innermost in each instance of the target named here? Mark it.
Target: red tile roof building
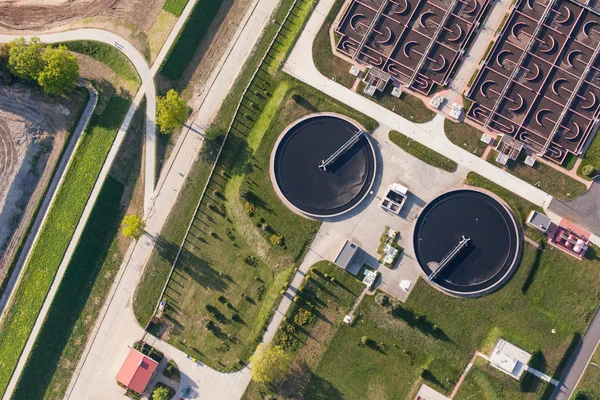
(136, 371)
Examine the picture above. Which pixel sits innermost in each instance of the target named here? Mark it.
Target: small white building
(509, 359)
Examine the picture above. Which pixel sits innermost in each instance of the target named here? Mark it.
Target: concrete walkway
(49, 197)
(300, 65)
(148, 89)
(116, 327)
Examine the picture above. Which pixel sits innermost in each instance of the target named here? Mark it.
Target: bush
(250, 209)
(302, 317)
(382, 299)
(589, 171)
(260, 292)
(585, 394)
(276, 239)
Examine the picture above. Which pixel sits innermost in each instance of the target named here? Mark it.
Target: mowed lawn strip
(175, 7)
(465, 137)
(78, 300)
(193, 31)
(546, 178)
(56, 233)
(422, 152)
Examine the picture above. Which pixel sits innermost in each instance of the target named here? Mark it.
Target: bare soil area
(33, 131)
(21, 15)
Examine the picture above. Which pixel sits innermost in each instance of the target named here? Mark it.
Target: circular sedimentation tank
(323, 166)
(467, 243)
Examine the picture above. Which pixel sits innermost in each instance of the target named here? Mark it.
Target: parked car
(185, 391)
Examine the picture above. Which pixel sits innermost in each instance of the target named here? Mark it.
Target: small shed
(376, 80)
(509, 359)
(508, 149)
(137, 371)
(539, 221)
(346, 255)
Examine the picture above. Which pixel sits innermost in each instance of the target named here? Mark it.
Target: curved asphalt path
(148, 88)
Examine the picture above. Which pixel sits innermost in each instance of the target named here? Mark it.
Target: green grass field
(230, 273)
(542, 176)
(49, 369)
(465, 137)
(437, 333)
(56, 233)
(108, 55)
(192, 33)
(407, 106)
(423, 153)
(175, 7)
(327, 303)
(591, 157)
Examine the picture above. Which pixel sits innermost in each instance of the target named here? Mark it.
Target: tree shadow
(321, 389)
(530, 383)
(532, 272)
(421, 323)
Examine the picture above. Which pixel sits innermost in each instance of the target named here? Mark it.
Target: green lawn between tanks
(175, 7)
(591, 379)
(465, 137)
(13, 261)
(193, 31)
(331, 66)
(422, 152)
(78, 299)
(524, 312)
(56, 233)
(550, 290)
(542, 176)
(591, 157)
(107, 55)
(328, 302)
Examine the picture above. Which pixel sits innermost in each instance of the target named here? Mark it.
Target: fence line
(210, 176)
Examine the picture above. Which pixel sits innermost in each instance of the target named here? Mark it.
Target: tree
(589, 170)
(25, 58)
(269, 365)
(160, 393)
(133, 226)
(61, 71)
(171, 112)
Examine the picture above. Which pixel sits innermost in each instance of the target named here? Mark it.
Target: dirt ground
(22, 15)
(33, 130)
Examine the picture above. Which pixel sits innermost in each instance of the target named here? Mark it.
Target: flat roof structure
(136, 371)
(346, 255)
(541, 81)
(509, 359)
(417, 42)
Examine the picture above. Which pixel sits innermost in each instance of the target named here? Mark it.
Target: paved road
(116, 327)
(579, 362)
(583, 210)
(148, 88)
(49, 197)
